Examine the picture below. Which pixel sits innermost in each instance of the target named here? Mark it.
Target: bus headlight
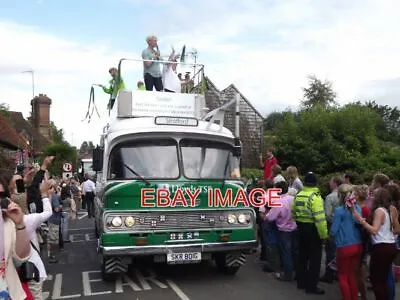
(231, 219)
(129, 221)
(116, 222)
(242, 219)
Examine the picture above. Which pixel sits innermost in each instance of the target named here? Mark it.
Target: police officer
(308, 211)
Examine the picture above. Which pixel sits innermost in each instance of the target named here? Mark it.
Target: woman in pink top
(286, 225)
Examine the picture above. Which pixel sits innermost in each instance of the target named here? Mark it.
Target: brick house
(251, 121)
(11, 142)
(19, 136)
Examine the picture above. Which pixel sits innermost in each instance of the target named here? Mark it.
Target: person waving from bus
(116, 84)
(170, 79)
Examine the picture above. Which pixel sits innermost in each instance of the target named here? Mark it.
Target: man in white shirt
(88, 190)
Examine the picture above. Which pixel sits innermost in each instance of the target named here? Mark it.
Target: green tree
(318, 93)
(272, 120)
(4, 109)
(84, 148)
(328, 141)
(63, 153)
(91, 146)
(389, 127)
(57, 135)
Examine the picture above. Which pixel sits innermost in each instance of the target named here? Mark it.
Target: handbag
(28, 271)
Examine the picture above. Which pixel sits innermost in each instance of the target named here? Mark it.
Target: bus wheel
(229, 263)
(96, 229)
(111, 266)
(106, 276)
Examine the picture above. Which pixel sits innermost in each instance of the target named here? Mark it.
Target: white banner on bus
(153, 104)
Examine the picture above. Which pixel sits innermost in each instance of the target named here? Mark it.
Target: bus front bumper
(244, 246)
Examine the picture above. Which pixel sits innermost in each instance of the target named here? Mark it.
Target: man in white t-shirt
(89, 190)
(170, 79)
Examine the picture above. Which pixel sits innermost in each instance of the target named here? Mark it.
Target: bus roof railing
(159, 61)
(199, 74)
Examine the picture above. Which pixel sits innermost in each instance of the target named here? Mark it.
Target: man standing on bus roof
(151, 69)
(116, 84)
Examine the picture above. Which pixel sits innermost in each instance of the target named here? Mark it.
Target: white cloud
(266, 48)
(348, 42)
(64, 70)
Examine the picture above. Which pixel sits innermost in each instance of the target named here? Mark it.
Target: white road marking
(57, 289)
(82, 238)
(121, 281)
(87, 291)
(119, 284)
(177, 290)
(45, 295)
(144, 280)
(83, 216)
(81, 229)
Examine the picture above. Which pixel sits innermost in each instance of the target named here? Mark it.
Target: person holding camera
(33, 190)
(33, 272)
(14, 245)
(19, 181)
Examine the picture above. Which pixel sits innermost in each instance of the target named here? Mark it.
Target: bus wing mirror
(237, 149)
(98, 159)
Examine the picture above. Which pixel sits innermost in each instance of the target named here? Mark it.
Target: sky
(267, 48)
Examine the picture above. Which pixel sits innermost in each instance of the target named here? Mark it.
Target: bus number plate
(182, 258)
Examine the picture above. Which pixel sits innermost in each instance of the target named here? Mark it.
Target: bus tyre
(111, 266)
(104, 275)
(96, 229)
(224, 265)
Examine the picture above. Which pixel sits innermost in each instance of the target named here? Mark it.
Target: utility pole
(31, 144)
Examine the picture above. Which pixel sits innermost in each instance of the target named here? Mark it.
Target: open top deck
(178, 109)
(135, 109)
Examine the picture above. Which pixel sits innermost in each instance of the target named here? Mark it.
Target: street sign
(67, 175)
(67, 167)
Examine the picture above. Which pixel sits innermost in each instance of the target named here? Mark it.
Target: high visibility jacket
(116, 84)
(308, 207)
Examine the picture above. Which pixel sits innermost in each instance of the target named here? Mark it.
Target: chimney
(41, 114)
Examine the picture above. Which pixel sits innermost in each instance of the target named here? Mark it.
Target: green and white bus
(159, 141)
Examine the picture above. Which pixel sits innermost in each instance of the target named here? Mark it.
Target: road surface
(77, 275)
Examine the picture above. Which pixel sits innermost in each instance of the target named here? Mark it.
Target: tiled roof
(9, 136)
(24, 127)
(251, 121)
(232, 86)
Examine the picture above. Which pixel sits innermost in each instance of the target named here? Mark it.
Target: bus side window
(116, 168)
